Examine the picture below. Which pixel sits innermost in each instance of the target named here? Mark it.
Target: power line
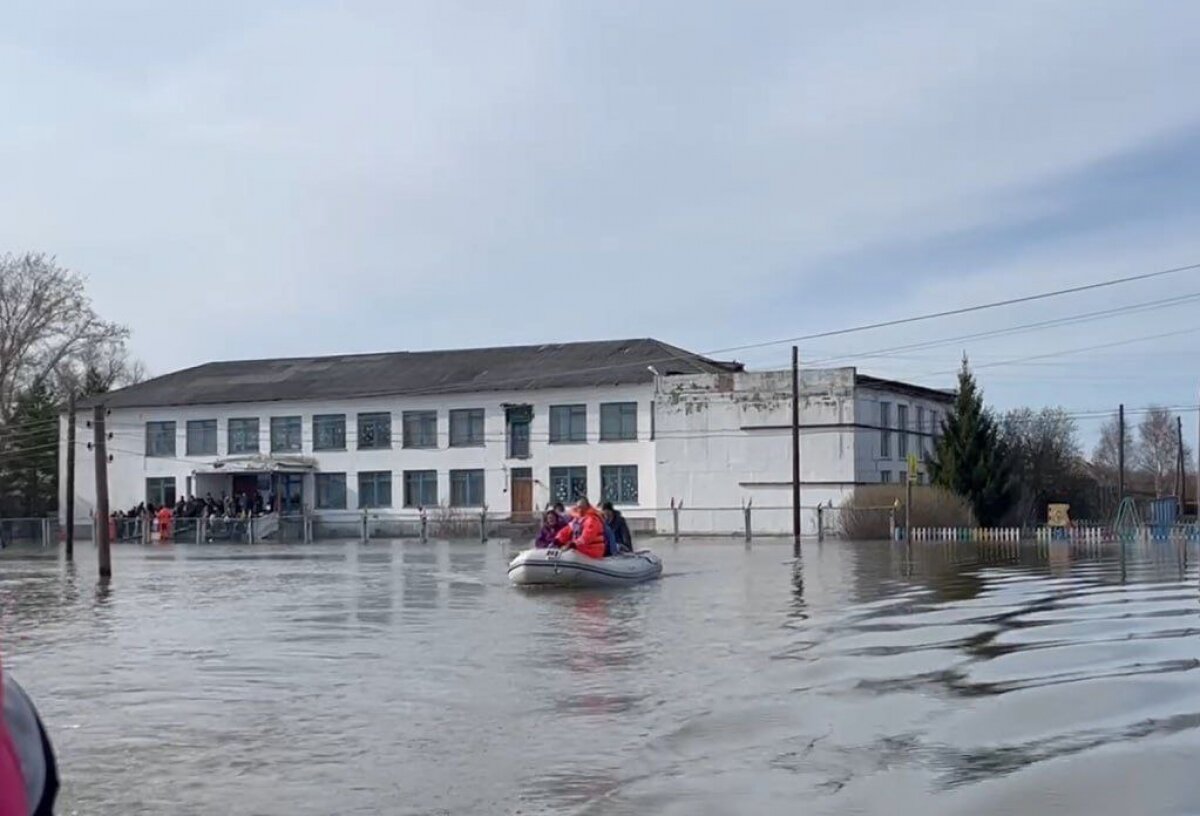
(1079, 350)
(966, 309)
(1036, 326)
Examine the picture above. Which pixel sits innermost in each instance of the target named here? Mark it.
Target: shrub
(866, 514)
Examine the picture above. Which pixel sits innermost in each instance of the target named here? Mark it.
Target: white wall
(130, 468)
(725, 440)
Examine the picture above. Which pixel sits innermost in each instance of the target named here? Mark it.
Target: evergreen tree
(29, 455)
(971, 458)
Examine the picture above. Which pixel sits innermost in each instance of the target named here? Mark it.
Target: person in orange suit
(585, 532)
(164, 523)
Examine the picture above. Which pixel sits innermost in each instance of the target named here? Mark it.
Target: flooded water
(404, 678)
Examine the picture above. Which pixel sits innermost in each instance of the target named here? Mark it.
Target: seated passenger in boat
(551, 525)
(619, 526)
(585, 532)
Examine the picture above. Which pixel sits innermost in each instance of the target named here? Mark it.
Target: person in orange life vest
(585, 532)
(164, 523)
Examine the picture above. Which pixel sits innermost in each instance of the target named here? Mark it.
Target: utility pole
(100, 450)
(796, 445)
(71, 475)
(1180, 470)
(1121, 453)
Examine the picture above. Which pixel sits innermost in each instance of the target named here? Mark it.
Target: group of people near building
(596, 533)
(226, 508)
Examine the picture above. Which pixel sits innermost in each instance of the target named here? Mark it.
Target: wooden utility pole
(796, 445)
(100, 450)
(1121, 453)
(71, 475)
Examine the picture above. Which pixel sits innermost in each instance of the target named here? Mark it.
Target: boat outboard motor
(32, 744)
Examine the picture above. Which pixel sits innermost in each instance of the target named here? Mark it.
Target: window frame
(243, 422)
(885, 430)
(294, 422)
(422, 475)
(372, 418)
(465, 477)
(162, 481)
(419, 418)
(376, 478)
(885, 477)
(469, 415)
(617, 472)
(320, 421)
(216, 435)
(325, 478)
(161, 430)
(626, 410)
(567, 472)
(574, 411)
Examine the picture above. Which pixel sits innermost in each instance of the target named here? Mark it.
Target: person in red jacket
(585, 532)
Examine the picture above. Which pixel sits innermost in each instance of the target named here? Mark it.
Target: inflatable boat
(568, 568)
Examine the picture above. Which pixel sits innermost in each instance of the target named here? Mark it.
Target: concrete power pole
(70, 509)
(796, 445)
(1180, 471)
(100, 449)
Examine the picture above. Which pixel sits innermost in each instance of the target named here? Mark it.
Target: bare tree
(1158, 449)
(1106, 458)
(47, 326)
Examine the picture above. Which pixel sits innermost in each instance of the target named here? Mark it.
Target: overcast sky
(243, 179)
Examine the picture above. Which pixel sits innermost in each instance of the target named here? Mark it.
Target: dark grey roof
(511, 368)
(919, 391)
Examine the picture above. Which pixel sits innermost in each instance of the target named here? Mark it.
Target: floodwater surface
(409, 678)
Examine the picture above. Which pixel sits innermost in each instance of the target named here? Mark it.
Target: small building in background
(640, 423)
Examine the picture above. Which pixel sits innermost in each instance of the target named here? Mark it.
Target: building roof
(411, 373)
(918, 391)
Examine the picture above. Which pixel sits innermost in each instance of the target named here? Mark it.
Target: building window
(903, 477)
(285, 434)
(568, 423)
(331, 491)
(420, 429)
(466, 488)
(921, 430)
(466, 427)
(420, 488)
(329, 432)
(243, 436)
(160, 438)
(568, 484)
(885, 434)
(202, 437)
(160, 491)
(618, 421)
(374, 489)
(902, 424)
(374, 431)
(935, 427)
(619, 484)
(885, 477)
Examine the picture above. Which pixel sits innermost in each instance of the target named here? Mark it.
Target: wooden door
(522, 493)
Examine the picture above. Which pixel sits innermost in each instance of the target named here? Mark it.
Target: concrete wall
(130, 467)
(725, 440)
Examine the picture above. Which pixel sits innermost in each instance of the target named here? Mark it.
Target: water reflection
(938, 678)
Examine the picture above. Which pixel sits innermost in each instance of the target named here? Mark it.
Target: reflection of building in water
(375, 596)
(636, 422)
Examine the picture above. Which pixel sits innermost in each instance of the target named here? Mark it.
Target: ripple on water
(402, 677)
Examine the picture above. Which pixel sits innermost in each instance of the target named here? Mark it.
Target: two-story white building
(636, 422)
